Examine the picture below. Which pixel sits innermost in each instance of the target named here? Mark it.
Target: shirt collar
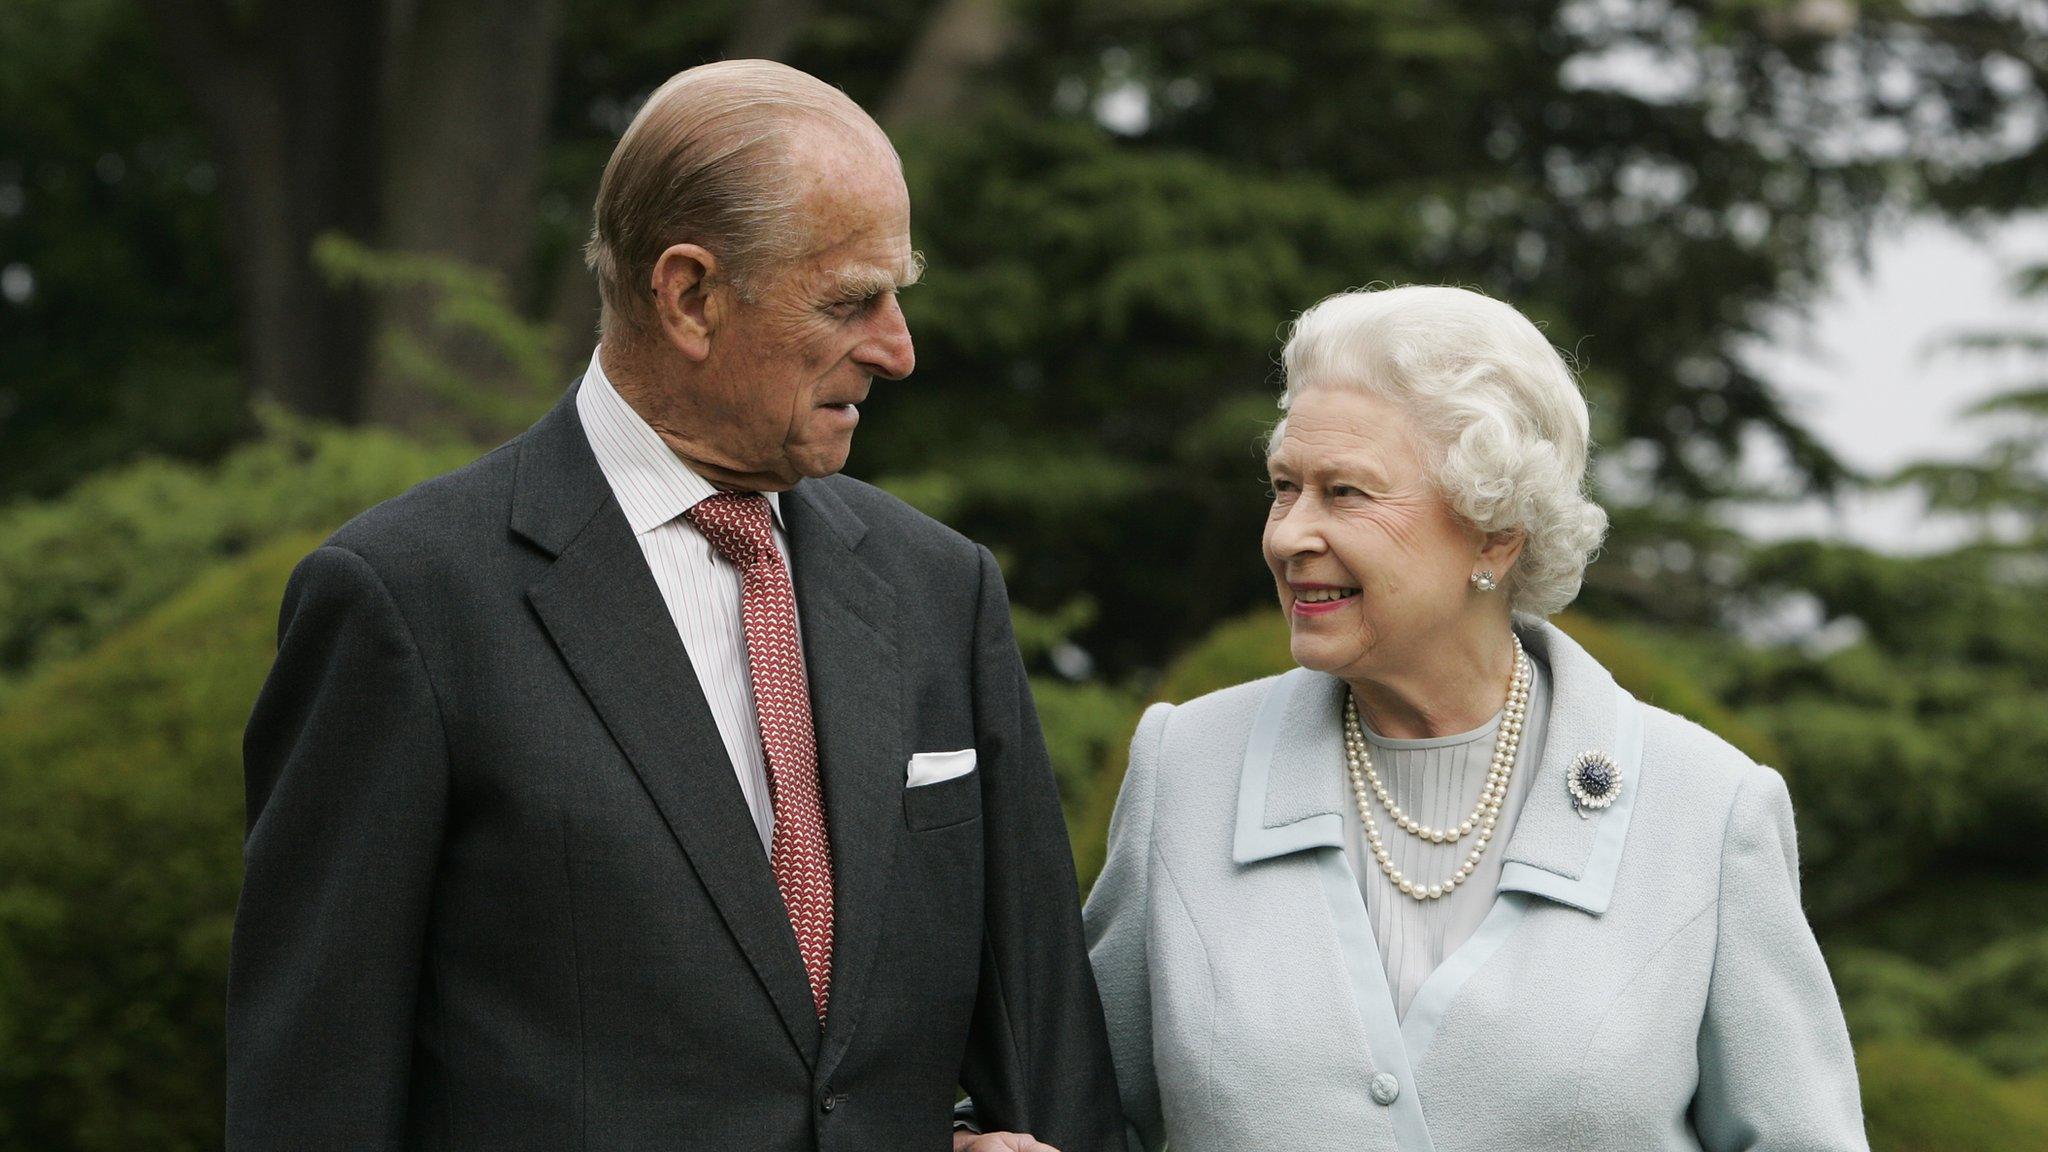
(652, 483)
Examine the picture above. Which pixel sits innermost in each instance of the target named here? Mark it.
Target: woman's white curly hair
(1506, 421)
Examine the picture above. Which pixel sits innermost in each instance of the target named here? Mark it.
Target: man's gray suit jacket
(503, 892)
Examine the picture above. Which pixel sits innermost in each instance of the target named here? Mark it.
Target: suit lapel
(855, 674)
(600, 605)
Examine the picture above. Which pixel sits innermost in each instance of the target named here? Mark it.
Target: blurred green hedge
(119, 868)
(1927, 1098)
(1992, 1003)
(74, 568)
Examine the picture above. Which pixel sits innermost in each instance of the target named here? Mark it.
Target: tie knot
(737, 524)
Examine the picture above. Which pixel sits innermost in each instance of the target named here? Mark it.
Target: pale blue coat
(1645, 979)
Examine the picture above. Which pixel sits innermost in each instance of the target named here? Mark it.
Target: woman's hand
(964, 1141)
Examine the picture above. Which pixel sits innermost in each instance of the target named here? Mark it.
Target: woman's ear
(1499, 552)
(685, 308)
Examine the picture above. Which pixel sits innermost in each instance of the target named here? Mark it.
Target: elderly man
(645, 784)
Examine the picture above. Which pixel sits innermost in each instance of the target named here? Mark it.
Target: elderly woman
(1446, 885)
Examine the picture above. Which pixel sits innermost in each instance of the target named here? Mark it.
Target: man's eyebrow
(865, 280)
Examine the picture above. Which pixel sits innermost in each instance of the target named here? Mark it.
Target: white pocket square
(935, 767)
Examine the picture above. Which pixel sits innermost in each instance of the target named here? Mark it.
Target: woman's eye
(1278, 488)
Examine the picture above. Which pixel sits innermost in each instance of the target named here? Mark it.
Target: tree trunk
(288, 98)
(574, 307)
(959, 40)
(767, 28)
(464, 140)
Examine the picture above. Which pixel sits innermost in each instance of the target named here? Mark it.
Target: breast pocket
(944, 804)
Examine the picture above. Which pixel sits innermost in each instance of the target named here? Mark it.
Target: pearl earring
(1484, 581)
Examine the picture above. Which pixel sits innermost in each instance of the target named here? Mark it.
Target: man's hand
(964, 1141)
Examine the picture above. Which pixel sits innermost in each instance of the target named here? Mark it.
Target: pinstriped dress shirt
(701, 588)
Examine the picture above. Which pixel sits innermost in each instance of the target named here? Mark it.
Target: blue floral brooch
(1594, 780)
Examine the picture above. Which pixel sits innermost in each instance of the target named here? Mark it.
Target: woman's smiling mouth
(1321, 599)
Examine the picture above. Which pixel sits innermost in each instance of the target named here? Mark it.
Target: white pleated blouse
(1437, 781)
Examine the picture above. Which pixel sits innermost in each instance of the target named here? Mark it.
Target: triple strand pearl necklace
(1485, 814)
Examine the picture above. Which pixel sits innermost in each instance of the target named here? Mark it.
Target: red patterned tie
(737, 524)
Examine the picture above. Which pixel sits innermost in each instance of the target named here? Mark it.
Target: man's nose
(888, 351)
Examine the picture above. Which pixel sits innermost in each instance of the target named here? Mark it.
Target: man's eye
(848, 309)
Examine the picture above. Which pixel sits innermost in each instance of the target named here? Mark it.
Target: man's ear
(686, 309)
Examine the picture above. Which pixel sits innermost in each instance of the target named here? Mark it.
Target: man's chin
(815, 462)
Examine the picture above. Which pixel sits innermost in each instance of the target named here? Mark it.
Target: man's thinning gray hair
(1507, 425)
(707, 161)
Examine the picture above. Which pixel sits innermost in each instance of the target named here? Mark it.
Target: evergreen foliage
(119, 865)
(487, 370)
(2005, 486)
(74, 568)
(123, 340)
(1919, 1097)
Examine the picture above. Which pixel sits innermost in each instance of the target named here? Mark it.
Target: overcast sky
(1860, 374)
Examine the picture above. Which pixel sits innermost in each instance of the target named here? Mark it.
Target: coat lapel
(855, 673)
(601, 606)
(1291, 791)
(1291, 796)
(1553, 852)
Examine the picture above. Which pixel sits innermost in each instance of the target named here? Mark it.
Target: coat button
(828, 1101)
(1385, 1089)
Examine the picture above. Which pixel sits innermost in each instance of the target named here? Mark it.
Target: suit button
(828, 1101)
(1385, 1089)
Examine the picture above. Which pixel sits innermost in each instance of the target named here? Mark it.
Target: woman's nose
(1296, 530)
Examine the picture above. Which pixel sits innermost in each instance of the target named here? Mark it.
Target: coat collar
(1291, 792)
(557, 487)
